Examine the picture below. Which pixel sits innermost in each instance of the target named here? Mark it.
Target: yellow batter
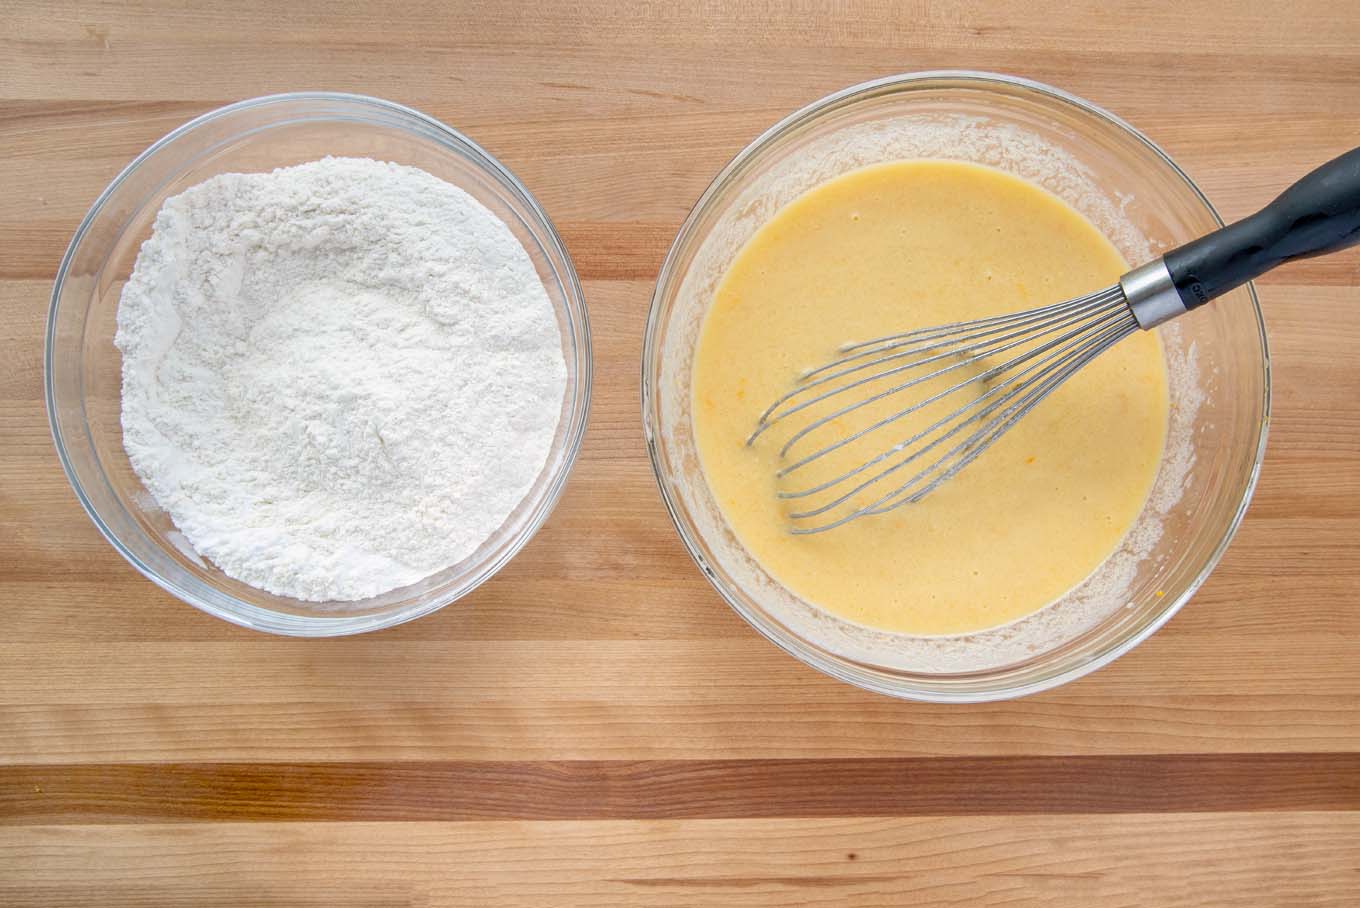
(900, 246)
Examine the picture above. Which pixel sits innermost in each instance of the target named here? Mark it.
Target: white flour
(338, 378)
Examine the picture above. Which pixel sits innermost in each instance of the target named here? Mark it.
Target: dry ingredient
(338, 378)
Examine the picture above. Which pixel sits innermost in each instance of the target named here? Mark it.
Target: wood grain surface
(594, 727)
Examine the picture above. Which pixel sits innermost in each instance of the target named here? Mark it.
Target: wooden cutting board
(594, 726)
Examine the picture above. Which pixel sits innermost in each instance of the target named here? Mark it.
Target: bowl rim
(576, 410)
(878, 679)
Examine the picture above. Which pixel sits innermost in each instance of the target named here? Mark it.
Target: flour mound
(338, 378)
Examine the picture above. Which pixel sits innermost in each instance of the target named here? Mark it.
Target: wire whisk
(987, 374)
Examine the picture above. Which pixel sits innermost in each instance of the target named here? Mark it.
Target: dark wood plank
(675, 789)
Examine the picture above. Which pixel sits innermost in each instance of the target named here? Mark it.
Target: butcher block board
(594, 727)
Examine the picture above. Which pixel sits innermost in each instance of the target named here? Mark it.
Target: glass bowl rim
(577, 411)
(878, 679)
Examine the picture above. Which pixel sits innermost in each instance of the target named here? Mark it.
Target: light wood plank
(1176, 861)
(1009, 24)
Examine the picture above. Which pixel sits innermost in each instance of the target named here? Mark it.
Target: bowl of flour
(317, 364)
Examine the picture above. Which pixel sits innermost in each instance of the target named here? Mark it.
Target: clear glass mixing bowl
(83, 367)
(1217, 364)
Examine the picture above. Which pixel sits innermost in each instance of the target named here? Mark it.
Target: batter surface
(900, 246)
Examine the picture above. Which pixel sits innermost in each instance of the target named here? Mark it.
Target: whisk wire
(956, 458)
(986, 396)
(1100, 296)
(971, 448)
(1013, 386)
(996, 325)
(1042, 321)
(971, 358)
(1032, 353)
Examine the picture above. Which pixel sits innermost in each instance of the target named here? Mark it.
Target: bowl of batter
(927, 199)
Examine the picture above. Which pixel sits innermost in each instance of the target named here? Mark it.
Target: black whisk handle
(1317, 215)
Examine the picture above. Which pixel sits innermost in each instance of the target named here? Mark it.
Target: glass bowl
(1216, 357)
(83, 367)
